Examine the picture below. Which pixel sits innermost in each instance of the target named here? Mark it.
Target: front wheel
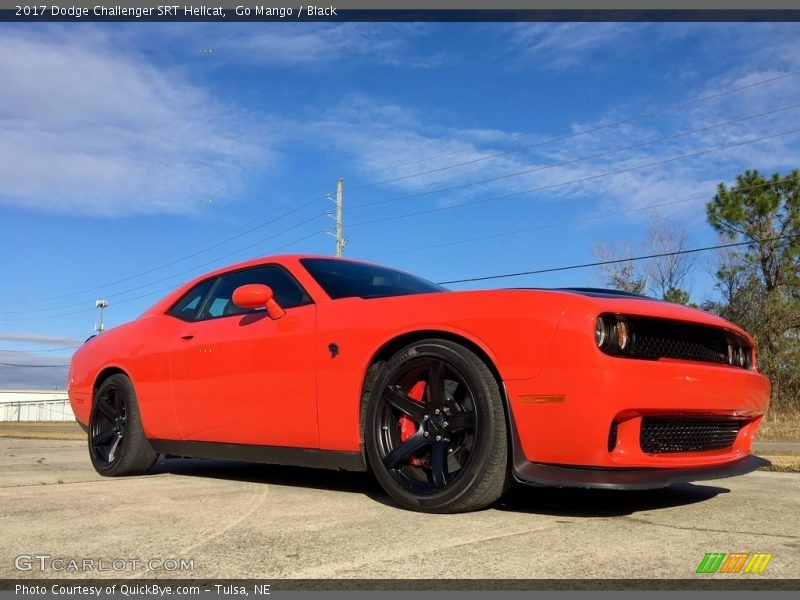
(435, 429)
(117, 444)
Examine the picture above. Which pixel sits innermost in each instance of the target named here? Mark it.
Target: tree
(668, 275)
(676, 295)
(760, 285)
(620, 273)
(664, 277)
(767, 214)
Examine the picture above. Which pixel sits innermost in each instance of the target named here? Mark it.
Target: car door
(239, 376)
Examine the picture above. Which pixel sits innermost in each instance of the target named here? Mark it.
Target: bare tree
(665, 277)
(620, 272)
(668, 275)
(730, 270)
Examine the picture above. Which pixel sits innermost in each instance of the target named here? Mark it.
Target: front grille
(656, 338)
(687, 434)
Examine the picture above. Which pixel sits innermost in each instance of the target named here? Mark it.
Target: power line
(177, 260)
(151, 293)
(557, 269)
(172, 287)
(414, 213)
(634, 117)
(594, 217)
(580, 180)
(179, 273)
(611, 262)
(579, 159)
(535, 272)
(296, 209)
(576, 134)
(460, 186)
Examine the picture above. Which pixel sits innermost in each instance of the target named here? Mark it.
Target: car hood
(612, 301)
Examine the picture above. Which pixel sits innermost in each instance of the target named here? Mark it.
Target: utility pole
(339, 234)
(100, 304)
(337, 216)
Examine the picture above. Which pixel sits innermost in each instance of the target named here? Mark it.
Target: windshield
(345, 279)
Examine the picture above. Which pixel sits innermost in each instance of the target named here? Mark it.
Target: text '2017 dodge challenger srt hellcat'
(446, 397)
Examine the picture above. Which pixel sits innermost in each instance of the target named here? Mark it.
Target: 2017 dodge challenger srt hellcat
(446, 397)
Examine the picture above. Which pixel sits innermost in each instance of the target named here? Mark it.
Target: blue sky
(132, 154)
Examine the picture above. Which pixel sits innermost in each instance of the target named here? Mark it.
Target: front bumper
(572, 425)
(565, 415)
(629, 479)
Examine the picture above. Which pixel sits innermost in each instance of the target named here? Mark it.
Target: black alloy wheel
(108, 426)
(435, 429)
(117, 445)
(444, 419)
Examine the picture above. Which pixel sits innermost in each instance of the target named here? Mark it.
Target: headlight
(613, 335)
(737, 355)
(600, 332)
(623, 334)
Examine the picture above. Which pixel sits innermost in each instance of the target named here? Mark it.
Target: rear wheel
(435, 430)
(117, 444)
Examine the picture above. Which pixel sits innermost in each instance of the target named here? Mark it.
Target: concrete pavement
(237, 520)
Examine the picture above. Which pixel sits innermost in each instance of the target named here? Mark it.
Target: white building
(35, 405)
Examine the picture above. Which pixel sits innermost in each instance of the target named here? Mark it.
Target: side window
(186, 308)
(287, 291)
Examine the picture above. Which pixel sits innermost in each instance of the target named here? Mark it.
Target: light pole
(100, 304)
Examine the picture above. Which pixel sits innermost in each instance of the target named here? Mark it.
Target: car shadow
(564, 502)
(580, 502)
(323, 479)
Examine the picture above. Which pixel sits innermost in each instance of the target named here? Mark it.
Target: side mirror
(255, 295)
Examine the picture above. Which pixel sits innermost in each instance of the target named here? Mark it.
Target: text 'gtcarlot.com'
(47, 563)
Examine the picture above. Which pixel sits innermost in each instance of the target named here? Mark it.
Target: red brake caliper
(407, 425)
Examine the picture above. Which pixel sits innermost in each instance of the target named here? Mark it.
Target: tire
(117, 444)
(437, 452)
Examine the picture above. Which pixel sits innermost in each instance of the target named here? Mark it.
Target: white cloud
(287, 45)
(563, 46)
(85, 128)
(291, 45)
(38, 338)
(90, 125)
(389, 141)
(567, 45)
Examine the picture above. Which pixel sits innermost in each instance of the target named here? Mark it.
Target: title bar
(402, 10)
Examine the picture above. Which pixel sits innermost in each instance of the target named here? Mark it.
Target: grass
(42, 430)
(785, 462)
(781, 426)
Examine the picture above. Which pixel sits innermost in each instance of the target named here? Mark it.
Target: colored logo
(737, 562)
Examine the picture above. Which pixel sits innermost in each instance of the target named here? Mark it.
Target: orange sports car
(446, 397)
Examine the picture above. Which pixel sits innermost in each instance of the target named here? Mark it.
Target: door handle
(188, 336)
